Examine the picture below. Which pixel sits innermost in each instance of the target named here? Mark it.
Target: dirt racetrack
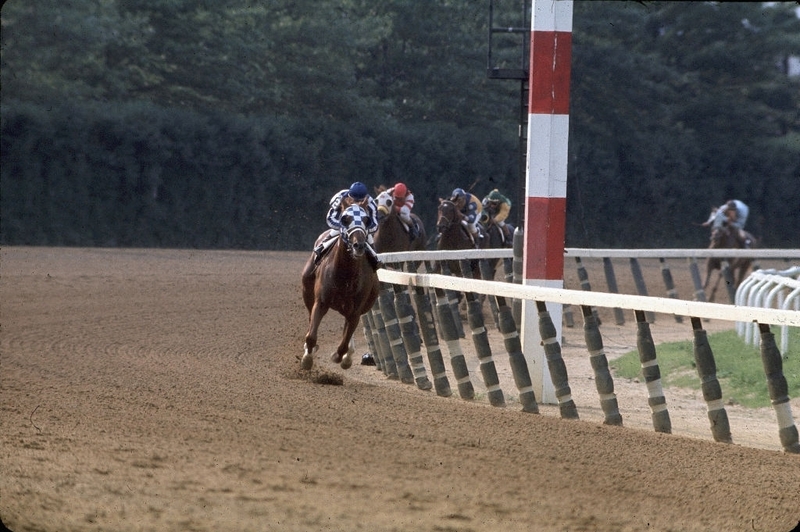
(160, 390)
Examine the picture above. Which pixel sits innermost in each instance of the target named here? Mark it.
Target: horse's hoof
(347, 361)
(307, 362)
(336, 358)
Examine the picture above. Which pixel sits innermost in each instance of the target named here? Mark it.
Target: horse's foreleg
(317, 312)
(344, 353)
(714, 290)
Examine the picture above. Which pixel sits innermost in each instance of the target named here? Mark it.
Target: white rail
(769, 289)
(599, 299)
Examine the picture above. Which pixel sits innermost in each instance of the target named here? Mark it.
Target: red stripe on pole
(551, 63)
(545, 222)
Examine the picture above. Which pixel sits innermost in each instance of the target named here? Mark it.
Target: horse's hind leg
(344, 353)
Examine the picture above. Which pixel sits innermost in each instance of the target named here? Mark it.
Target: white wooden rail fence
(761, 316)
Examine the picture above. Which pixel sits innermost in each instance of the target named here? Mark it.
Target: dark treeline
(231, 124)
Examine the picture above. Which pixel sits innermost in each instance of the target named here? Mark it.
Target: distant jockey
(401, 200)
(497, 206)
(470, 206)
(734, 212)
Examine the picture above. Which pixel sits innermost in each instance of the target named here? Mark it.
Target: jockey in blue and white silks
(344, 198)
(734, 212)
(356, 194)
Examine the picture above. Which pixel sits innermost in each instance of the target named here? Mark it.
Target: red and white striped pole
(546, 179)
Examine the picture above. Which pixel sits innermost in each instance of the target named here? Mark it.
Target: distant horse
(725, 238)
(343, 281)
(453, 234)
(392, 235)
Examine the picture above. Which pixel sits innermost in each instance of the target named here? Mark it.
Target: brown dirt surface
(161, 390)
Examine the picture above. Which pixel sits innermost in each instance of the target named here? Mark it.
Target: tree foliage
(230, 124)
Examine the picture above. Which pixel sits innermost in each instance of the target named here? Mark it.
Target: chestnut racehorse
(343, 281)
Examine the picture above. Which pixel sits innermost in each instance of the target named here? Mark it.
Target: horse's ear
(346, 219)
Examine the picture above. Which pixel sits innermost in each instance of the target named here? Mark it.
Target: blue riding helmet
(459, 193)
(358, 191)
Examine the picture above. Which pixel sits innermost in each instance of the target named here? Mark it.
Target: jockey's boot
(413, 231)
(373, 259)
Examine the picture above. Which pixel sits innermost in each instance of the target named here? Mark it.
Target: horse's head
(448, 215)
(384, 202)
(353, 232)
(723, 237)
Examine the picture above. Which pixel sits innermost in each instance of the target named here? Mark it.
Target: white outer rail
(769, 289)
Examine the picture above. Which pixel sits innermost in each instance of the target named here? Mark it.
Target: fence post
(453, 298)
(428, 329)
(583, 276)
(602, 376)
(450, 336)
(481, 341)
(513, 345)
(670, 284)
(398, 348)
(410, 335)
(778, 390)
(652, 375)
(611, 281)
(641, 288)
(712, 393)
(699, 291)
(555, 363)
(385, 359)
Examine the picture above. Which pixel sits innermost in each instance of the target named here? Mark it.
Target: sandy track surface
(160, 390)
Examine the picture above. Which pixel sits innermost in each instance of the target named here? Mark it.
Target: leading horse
(726, 237)
(343, 281)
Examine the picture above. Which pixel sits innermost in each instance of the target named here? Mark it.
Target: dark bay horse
(453, 234)
(343, 281)
(725, 237)
(392, 235)
(498, 237)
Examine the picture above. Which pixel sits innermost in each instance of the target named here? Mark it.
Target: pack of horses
(345, 282)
